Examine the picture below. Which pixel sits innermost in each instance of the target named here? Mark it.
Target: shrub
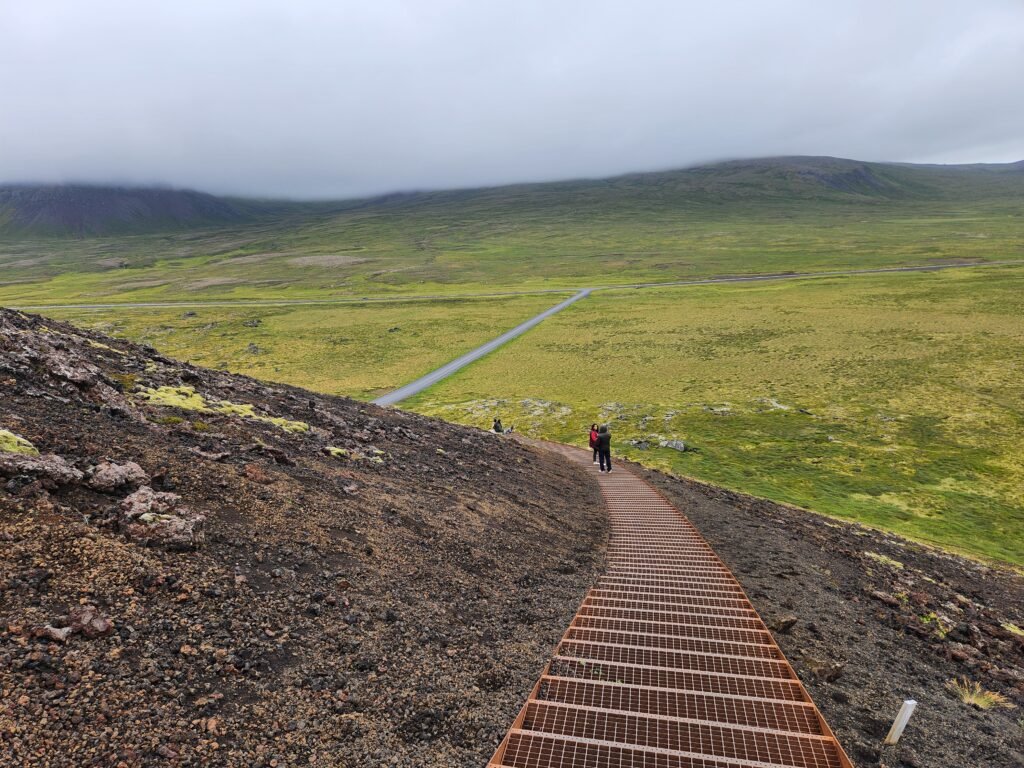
(972, 693)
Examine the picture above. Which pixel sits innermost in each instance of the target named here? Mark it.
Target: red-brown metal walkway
(666, 664)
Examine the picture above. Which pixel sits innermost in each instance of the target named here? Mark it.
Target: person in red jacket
(593, 440)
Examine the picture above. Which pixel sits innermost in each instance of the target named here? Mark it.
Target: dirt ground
(868, 620)
(389, 605)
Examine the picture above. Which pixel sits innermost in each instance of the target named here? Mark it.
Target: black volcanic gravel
(387, 610)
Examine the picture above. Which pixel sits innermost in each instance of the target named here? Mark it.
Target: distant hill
(763, 180)
(80, 210)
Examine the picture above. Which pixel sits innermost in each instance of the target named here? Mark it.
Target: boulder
(49, 466)
(157, 517)
(675, 445)
(88, 620)
(108, 476)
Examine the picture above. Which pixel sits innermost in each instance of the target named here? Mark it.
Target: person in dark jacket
(604, 448)
(593, 440)
(496, 426)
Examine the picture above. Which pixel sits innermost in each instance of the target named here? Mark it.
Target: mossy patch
(940, 625)
(169, 421)
(1012, 628)
(884, 560)
(187, 399)
(376, 455)
(100, 345)
(12, 443)
(126, 380)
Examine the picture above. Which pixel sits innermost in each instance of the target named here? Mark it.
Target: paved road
(459, 363)
(498, 294)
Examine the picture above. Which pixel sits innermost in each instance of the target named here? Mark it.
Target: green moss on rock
(12, 443)
(187, 399)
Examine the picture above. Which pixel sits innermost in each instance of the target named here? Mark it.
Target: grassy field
(894, 400)
(812, 214)
(360, 350)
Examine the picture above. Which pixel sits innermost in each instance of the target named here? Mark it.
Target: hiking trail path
(666, 664)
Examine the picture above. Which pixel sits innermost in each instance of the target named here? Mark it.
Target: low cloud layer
(332, 98)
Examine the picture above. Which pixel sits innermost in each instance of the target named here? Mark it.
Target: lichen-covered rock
(48, 466)
(675, 445)
(108, 476)
(70, 367)
(157, 517)
(146, 501)
(12, 443)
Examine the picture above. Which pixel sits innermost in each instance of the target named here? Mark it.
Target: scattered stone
(824, 670)
(60, 635)
(884, 597)
(210, 455)
(257, 474)
(783, 624)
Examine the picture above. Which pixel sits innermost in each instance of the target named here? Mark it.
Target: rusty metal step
(790, 717)
(670, 617)
(678, 679)
(697, 630)
(679, 735)
(604, 601)
(682, 660)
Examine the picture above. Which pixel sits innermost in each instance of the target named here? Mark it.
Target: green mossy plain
(360, 350)
(895, 400)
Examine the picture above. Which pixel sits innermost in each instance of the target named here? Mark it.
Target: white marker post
(901, 721)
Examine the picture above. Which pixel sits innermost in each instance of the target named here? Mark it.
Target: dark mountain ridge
(79, 210)
(82, 210)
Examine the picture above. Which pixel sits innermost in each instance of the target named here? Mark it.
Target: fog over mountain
(326, 98)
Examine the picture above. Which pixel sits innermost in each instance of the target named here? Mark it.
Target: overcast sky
(318, 98)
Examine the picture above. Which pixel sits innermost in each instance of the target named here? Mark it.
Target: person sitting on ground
(593, 440)
(497, 427)
(510, 430)
(604, 448)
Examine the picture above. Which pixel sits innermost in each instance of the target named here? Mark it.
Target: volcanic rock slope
(200, 569)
